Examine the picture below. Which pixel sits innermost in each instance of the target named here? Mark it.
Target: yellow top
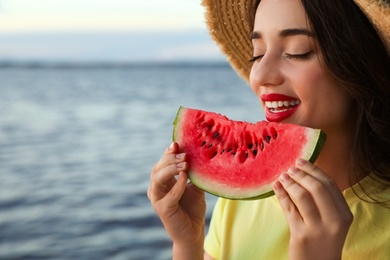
(258, 229)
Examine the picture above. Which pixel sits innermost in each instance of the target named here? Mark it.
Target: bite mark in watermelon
(237, 159)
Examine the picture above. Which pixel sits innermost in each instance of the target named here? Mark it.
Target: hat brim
(229, 26)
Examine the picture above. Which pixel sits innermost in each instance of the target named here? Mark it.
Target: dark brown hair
(356, 56)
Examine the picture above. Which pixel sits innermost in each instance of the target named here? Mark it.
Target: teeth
(280, 104)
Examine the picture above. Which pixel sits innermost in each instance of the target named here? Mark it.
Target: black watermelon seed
(210, 145)
(254, 152)
(204, 142)
(250, 146)
(215, 135)
(262, 146)
(268, 138)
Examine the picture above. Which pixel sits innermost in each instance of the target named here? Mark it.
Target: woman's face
(288, 73)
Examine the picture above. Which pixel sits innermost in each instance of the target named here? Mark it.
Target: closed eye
(303, 56)
(255, 58)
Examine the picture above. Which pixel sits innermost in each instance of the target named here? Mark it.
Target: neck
(335, 157)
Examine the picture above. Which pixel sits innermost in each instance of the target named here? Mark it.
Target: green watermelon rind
(318, 146)
(313, 150)
(174, 137)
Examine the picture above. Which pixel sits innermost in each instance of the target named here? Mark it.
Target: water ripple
(77, 147)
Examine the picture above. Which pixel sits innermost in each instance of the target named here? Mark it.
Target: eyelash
(288, 56)
(299, 56)
(255, 58)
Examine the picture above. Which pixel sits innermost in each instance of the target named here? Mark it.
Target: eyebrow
(284, 33)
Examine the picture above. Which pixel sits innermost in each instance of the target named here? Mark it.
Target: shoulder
(371, 220)
(369, 192)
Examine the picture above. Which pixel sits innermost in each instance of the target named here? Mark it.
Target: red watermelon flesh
(241, 160)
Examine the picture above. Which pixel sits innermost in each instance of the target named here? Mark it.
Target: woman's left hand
(316, 211)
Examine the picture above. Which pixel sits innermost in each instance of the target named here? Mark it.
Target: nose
(265, 72)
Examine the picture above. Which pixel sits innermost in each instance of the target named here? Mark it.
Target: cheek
(323, 99)
(325, 103)
(314, 83)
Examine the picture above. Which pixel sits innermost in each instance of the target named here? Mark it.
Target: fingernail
(180, 165)
(293, 171)
(284, 177)
(170, 147)
(301, 162)
(180, 156)
(277, 185)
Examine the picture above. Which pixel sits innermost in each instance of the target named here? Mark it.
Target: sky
(104, 30)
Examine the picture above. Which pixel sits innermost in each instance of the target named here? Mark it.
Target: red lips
(277, 97)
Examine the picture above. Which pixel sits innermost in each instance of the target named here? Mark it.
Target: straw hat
(228, 25)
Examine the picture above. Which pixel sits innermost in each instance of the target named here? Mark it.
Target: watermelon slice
(241, 160)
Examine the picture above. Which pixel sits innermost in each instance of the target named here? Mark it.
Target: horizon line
(110, 64)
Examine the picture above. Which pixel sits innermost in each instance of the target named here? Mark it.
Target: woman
(332, 58)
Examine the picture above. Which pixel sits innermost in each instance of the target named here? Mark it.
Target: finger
(163, 172)
(168, 204)
(164, 177)
(301, 198)
(319, 174)
(289, 208)
(325, 192)
(169, 172)
(165, 169)
(172, 148)
(333, 208)
(170, 156)
(163, 181)
(175, 194)
(166, 160)
(285, 201)
(314, 171)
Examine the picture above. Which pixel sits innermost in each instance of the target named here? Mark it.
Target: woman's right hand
(180, 205)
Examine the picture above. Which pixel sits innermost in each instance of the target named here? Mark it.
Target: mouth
(279, 107)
